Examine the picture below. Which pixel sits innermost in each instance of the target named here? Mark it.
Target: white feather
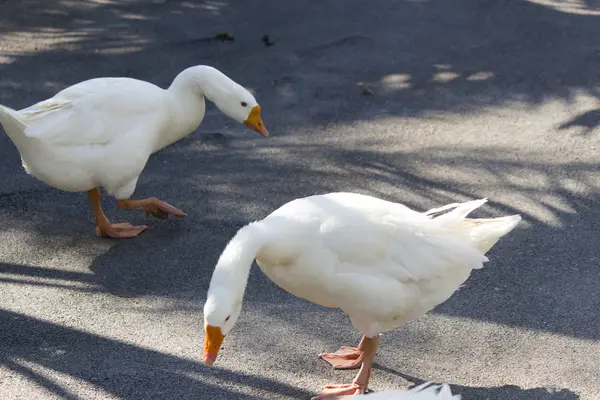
(101, 132)
(425, 391)
(381, 262)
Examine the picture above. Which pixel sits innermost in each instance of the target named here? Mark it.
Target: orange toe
(344, 358)
(120, 231)
(331, 392)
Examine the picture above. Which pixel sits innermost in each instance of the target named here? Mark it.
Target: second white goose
(380, 262)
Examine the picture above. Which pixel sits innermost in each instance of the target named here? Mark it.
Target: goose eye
(244, 104)
(227, 319)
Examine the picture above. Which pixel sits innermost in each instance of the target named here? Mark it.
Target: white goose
(101, 132)
(425, 391)
(380, 262)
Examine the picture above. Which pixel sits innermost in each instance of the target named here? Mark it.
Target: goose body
(101, 132)
(381, 262)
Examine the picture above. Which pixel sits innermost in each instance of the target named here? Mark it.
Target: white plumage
(425, 391)
(101, 132)
(98, 133)
(381, 262)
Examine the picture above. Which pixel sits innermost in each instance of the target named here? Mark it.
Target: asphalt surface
(459, 100)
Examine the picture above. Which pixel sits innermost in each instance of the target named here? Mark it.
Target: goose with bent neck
(101, 132)
(380, 262)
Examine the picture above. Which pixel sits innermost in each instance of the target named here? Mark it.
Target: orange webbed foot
(151, 206)
(162, 210)
(119, 231)
(344, 358)
(331, 392)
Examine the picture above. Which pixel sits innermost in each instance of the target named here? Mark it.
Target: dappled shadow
(121, 369)
(14, 274)
(588, 121)
(177, 274)
(506, 392)
(416, 57)
(547, 254)
(29, 271)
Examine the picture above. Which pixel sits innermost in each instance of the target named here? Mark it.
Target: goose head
(231, 98)
(221, 312)
(240, 105)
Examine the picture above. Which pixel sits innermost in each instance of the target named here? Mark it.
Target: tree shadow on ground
(29, 346)
(548, 254)
(587, 121)
(417, 57)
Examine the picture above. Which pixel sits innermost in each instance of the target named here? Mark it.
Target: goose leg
(346, 357)
(151, 205)
(360, 384)
(103, 225)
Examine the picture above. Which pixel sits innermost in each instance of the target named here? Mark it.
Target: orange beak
(212, 344)
(254, 122)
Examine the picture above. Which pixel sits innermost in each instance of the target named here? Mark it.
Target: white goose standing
(380, 262)
(101, 132)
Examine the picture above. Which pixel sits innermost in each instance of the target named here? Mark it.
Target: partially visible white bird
(425, 391)
(382, 263)
(101, 132)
